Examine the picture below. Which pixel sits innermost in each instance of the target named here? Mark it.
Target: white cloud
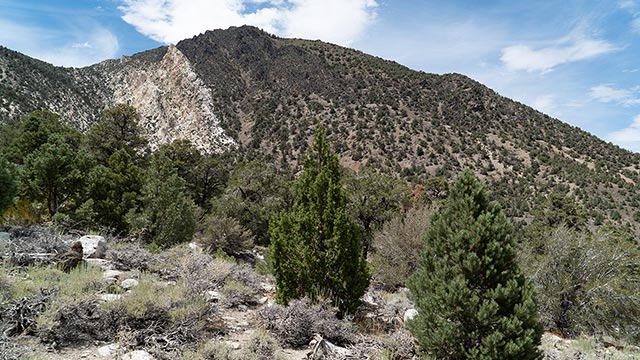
(628, 137)
(523, 57)
(85, 47)
(169, 21)
(605, 93)
(544, 103)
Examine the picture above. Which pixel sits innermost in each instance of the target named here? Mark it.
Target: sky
(575, 60)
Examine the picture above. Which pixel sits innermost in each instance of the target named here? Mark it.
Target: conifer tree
(317, 249)
(472, 300)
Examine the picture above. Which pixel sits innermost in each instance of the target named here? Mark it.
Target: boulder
(213, 296)
(93, 246)
(108, 351)
(323, 349)
(129, 284)
(410, 314)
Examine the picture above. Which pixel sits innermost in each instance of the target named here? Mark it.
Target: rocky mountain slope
(260, 95)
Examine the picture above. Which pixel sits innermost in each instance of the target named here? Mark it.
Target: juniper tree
(472, 300)
(317, 249)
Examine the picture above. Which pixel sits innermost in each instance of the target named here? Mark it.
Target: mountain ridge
(261, 95)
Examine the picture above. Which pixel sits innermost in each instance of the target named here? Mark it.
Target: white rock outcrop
(173, 101)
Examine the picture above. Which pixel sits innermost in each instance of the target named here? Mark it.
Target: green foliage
(54, 173)
(255, 192)
(471, 298)
(117, 129)
(8, 184)
(114, 190)
(374, 199)
(587, 283)
(317, 250)
(166, 217)
(205, 176)
(34, 130)
(225, 233)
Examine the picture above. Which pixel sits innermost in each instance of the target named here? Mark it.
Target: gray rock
(410, 314)
(108, 351)
(93, 246)
(138, 355)
(110, 297)
(213, 295)
(111, 274)
(129, 284)
(263, 300)
(4, 236)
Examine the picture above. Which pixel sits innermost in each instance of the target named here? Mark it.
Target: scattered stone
(4, 236)
(263, 300)
(242, 307)
(233, 345)
(410, 314)
(323, 349)
(93, 246)
(110, 297)
(112, 274)
(129, 284)
(266, 287)
(138, 355)
(213, 296)
(108, 350)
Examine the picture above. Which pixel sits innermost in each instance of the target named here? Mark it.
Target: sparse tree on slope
(317, 249)
(472, 299)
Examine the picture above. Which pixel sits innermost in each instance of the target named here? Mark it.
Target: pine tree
(167, 217)
(317, 249)
(472, 300)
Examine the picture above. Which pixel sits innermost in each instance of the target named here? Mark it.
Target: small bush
(294, 325)
(226, 233)
(261, 346)
(397, 248)
(236, 293)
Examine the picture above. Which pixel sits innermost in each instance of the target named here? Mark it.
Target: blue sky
(575, 60)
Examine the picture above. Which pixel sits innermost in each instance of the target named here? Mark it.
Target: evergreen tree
(317, 249)
(117, 129)
(472, 300)
(8, 184)
(166, 217)
(54, 173)
(115, 190)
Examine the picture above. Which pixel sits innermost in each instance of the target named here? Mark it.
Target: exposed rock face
(173, 101)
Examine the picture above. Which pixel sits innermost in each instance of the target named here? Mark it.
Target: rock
(108, 350)
(4, 237)
(129, 284)
(110, 297)
(263, 300)
(266, 287)
(323, 349)
(138, 355)
(213, 296)
(93, 246)
(112, 276)
(243, 307)
(195, 247)
(410, 314)
(233, 345)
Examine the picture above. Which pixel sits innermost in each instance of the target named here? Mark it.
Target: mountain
(244, 90)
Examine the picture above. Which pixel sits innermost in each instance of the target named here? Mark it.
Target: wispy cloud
(87, 46)
(544, 59)
(544, 103)
(628, 137)
(608, 94)
(168, 21)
